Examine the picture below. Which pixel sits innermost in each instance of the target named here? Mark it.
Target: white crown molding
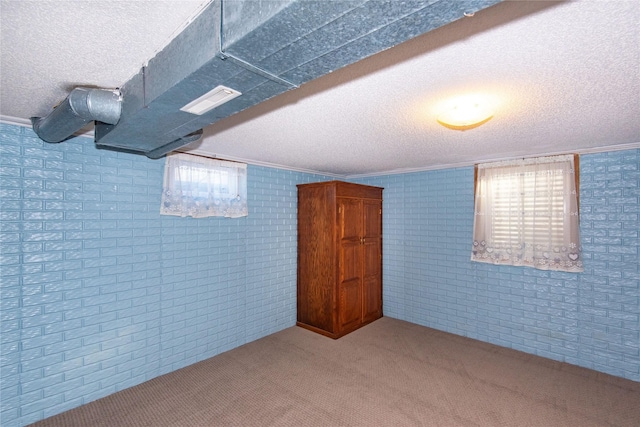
(593, 150)
(27, 123)
(15, 121)
(264, 164)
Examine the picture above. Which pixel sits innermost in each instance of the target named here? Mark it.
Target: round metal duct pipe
(82, 106)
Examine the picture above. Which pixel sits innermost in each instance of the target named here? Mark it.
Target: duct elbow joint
(81, 107)
(174, 145)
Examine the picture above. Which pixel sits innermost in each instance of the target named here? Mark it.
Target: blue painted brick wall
(589, 319)
(99, 292)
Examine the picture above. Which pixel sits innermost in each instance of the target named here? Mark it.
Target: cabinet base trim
(335, 336)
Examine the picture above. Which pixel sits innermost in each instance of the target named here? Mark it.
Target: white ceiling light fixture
(465, 112)
(210, 100)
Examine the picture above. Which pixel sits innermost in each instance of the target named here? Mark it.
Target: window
(526, 213)
(200, 187)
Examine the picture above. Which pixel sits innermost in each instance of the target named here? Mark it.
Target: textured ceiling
(50, 47)
(563, 77)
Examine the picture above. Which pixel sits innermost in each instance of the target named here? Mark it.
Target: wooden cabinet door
(372, 260)
(349, 263)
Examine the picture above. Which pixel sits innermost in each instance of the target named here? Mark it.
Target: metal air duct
(258, 49)
(82, 106)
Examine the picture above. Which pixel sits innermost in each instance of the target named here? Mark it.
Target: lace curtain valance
(200, 187)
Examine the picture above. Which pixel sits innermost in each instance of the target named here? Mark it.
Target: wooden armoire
(339, 256)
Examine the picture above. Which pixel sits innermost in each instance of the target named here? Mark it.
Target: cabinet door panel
(372, 260)
(350, 310)
(372, 299)
(349, 220)
(372, 280)
(372, 222)
(350, 264)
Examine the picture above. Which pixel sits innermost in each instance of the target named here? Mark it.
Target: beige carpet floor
(389, 373)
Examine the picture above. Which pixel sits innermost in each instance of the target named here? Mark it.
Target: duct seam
(244, 64)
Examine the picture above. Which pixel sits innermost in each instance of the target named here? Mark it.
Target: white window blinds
(526, 213)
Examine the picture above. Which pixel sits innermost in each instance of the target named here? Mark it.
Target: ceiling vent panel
(260, 49)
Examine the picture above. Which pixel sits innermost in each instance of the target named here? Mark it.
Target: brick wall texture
(99, 292)
(588, 319)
